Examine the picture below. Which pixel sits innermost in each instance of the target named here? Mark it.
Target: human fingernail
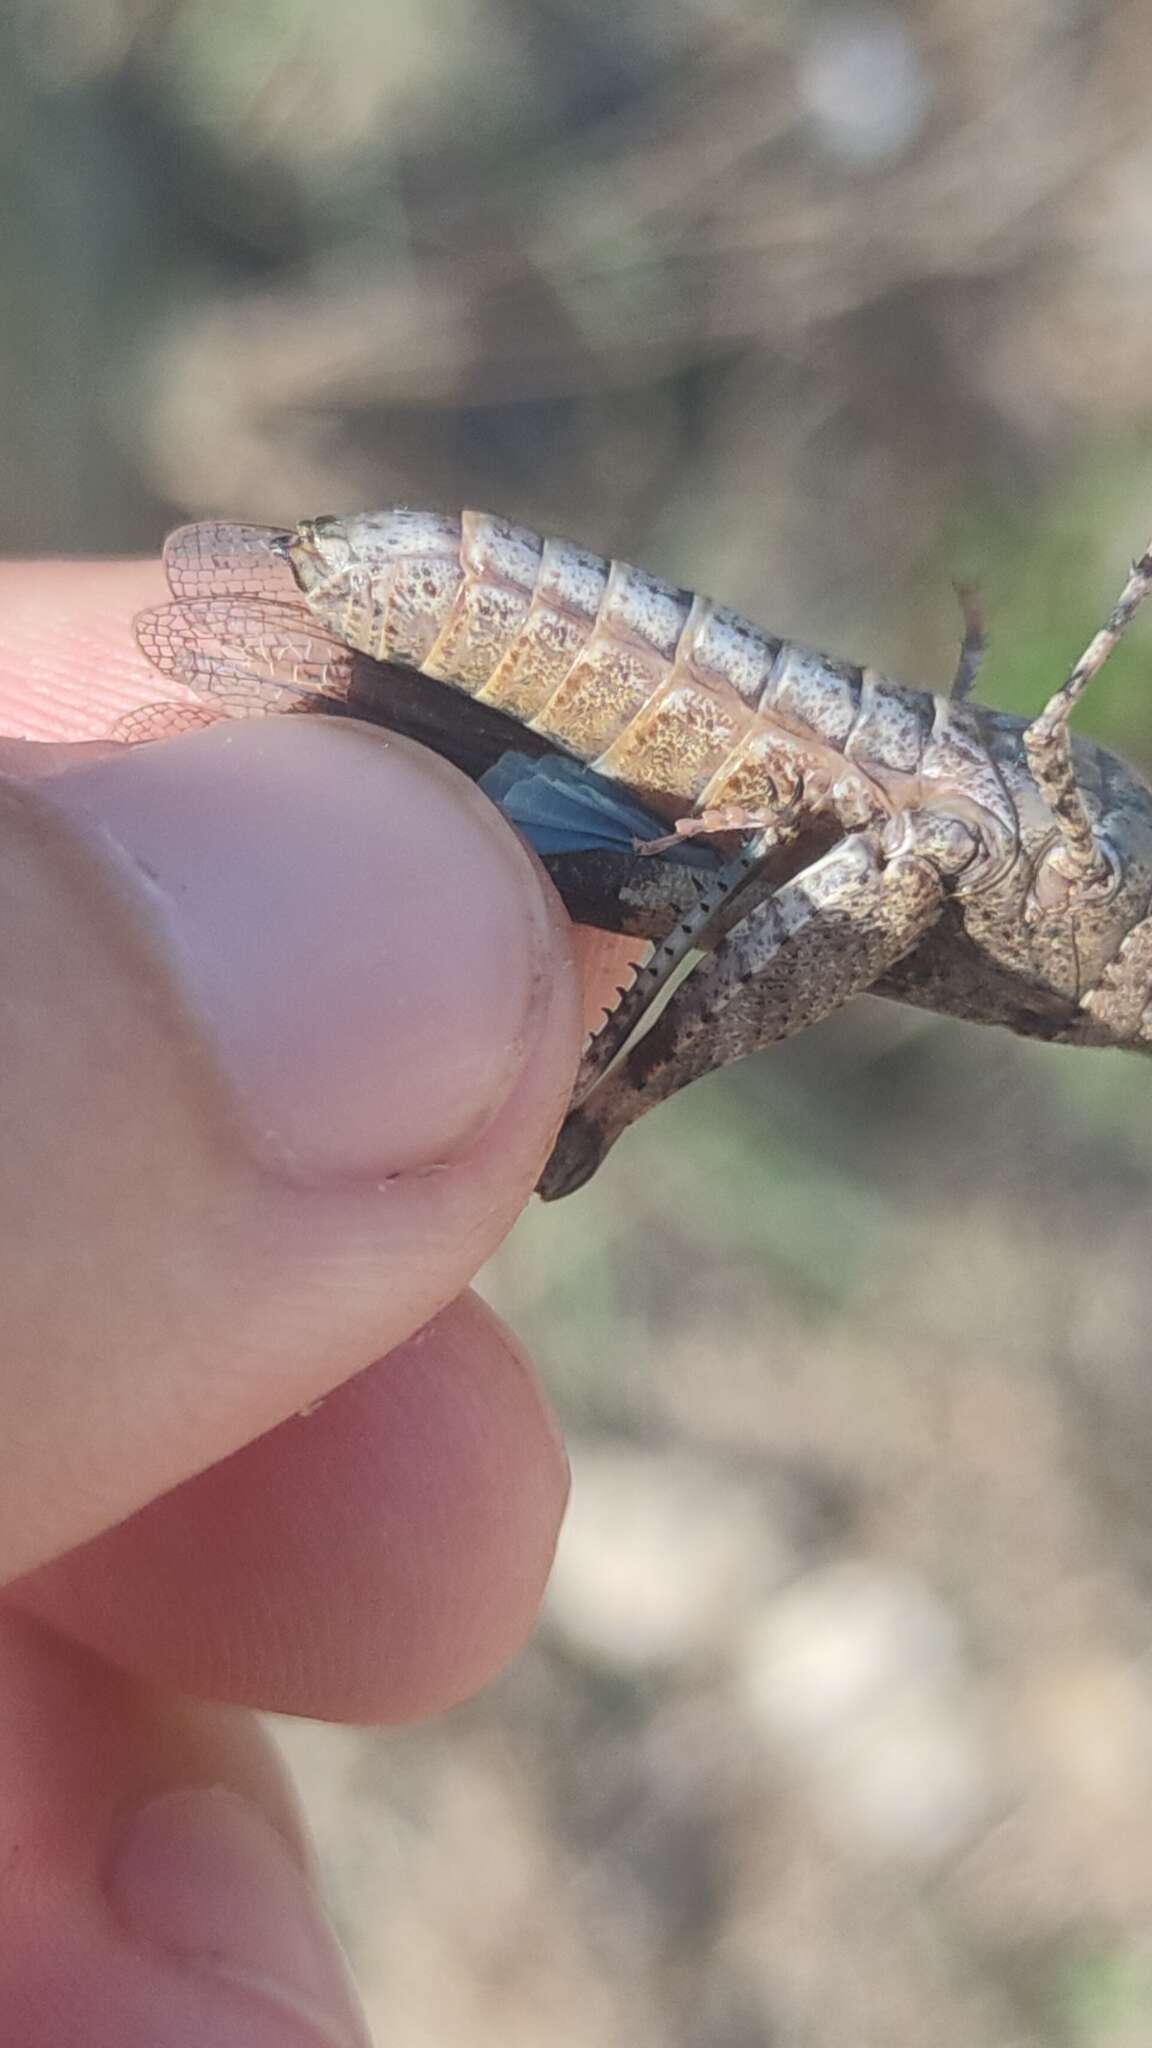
(367, 947)
(203, 1876)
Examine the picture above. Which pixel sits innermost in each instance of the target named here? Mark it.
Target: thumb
(289, 1019)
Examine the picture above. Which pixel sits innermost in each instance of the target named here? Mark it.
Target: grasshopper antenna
(1048, 745)
(974, 644)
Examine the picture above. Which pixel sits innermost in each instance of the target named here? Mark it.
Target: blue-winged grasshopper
(812, 828)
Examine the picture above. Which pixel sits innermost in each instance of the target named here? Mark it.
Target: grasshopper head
(322, 554)
(380, 581)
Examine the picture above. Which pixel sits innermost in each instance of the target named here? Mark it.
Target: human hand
(288, 1020)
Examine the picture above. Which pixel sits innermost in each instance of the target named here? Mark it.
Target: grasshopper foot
(575, 1156)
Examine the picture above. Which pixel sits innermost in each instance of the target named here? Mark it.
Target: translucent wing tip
(217, 558)
(162, 722)
(253, 657)
(161, 640)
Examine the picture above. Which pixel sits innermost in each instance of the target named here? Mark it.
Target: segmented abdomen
(663, 690)
(684, 701)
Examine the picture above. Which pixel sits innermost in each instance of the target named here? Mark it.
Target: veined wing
(228, 638)
(163, 721)
(248, 657)
(221, 559)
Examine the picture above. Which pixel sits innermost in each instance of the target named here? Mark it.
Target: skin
(249, 1164)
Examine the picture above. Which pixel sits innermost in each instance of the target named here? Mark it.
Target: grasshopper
(812, 829)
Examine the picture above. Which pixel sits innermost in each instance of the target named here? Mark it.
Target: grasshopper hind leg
(810, 946)
(730, 893)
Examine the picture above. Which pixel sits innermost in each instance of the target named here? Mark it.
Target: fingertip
(156, 1884)
(363, 940)
(376, 1559)
(69, 663)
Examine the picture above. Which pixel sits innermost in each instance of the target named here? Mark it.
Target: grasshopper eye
(320, 554)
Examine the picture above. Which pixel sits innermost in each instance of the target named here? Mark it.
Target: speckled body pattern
(896, 839)
(679, 698)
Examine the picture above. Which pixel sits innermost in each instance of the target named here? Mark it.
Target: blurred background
(838, 1728)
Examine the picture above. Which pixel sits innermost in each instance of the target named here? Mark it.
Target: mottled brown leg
(818, 940)
(728, 895)
(1048, 745)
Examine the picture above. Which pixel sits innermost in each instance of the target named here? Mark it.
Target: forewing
(250, 658)
(163, 722)
(220, 559)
